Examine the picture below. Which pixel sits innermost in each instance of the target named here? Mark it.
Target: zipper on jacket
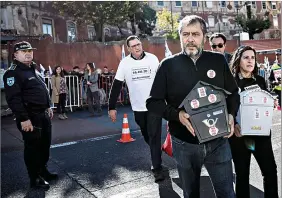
(43, 85)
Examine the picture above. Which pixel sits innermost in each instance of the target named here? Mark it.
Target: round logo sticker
(251, 99)
(213, 131)
(267, 113)
(211, 73)
(195, 104)
(212, 98)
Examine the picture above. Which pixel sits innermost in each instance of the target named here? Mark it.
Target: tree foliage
(146, 20)
(99, 13)
(168, 23)
(253, 24)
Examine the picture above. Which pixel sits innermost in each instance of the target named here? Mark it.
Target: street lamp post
(239, 36)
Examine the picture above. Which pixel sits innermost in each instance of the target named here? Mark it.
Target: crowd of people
(92, 84)
(156, 90)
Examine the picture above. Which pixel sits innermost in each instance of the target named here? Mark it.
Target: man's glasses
(220, 45)
(137, 45)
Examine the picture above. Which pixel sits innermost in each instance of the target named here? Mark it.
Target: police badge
(10, 81)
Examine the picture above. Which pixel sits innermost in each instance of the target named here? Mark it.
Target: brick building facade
(220, 15)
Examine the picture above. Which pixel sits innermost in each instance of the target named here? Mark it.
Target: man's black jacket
(176, 77)
(25, 90)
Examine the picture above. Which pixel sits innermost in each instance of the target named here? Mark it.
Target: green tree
(168, 23)
(253, 24)
(146, 20)
(99, 13)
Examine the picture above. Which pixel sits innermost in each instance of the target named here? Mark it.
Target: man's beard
(193, 53)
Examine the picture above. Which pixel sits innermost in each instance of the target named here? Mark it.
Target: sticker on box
(212, 98)
(202, 92)
(195, 104)
(217, 112)
(264, 100)
(257, 114)
(257, 128)
(213, 131)
(251, 99)
(266, 113)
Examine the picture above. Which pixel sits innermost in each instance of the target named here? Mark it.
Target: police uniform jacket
(25, 90)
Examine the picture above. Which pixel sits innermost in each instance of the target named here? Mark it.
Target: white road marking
(88, 140)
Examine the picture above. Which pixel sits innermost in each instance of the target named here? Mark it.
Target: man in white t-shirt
(138, 70)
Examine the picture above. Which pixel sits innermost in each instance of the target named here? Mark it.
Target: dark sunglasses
(220, 45)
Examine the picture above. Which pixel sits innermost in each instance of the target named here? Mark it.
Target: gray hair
(192, 19)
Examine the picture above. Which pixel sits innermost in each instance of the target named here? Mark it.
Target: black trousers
(151, 129)
(37, 143)
(93, 96)
(61, 106)
(265, 158)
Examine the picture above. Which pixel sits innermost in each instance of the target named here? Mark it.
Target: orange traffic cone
(125, 136)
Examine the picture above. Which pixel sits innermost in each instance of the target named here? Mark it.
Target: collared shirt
(141, 56)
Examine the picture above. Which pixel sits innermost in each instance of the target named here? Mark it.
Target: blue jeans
(215, 155)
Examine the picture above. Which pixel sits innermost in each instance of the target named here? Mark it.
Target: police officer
(28, 98)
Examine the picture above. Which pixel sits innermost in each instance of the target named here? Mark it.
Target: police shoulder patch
(12, 67)
(10, 81)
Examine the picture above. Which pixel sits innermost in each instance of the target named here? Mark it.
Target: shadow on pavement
(165, 188)
(35, 193)
(98, 168)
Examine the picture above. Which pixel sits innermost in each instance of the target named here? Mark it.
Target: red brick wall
(70, 54)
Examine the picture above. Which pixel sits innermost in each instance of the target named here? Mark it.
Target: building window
(254, 4)
(194, 4)
(225, 21)
(209, 4)
(223, 4)
(275, 21)
(91, 32)
(160, 3)
(47, 26)
(273, 5)
(211, 21)
(178, 4)
(263, 5)
(71, 31)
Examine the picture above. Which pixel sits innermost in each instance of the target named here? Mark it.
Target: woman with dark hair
(91, 87)
(59, 91)
(244, 68)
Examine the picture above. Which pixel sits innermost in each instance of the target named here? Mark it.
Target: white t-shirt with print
(139, 76)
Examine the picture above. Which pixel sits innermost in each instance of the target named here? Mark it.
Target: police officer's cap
(23, 45)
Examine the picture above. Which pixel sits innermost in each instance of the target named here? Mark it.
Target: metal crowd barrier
(73, 98)
(77, 96)
(104, 85)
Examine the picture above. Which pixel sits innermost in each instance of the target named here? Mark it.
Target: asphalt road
(91, 163)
